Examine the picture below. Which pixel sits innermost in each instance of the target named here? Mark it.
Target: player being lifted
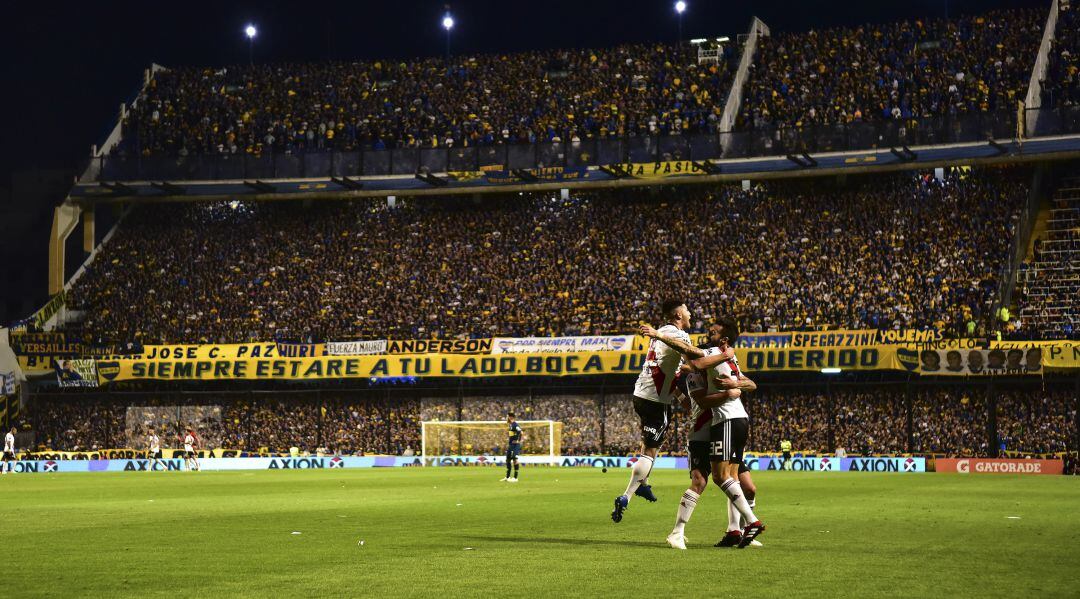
(191, 443)
(9, 452)
(729, 427)
(653, 393)
(154, 450)
(513, 448)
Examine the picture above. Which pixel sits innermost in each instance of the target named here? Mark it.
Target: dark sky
(68, 66)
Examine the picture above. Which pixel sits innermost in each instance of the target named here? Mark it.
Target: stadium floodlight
(250, 32)
(698, 40)
(831, 371)
(680, 8)
(723, 40)
(448, 24)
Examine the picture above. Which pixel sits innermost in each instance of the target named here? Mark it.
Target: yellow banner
(35, 366)
(229, 351)
(458, 365)
(1062, 355)
(659, 170)
(43, 315)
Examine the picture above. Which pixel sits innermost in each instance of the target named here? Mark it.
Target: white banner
(355, 348)
(981, 362)
(76, 373)
(532, 345)
(7, 384)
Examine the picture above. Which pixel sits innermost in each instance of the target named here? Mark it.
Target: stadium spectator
(894, 72)
(551, 95)
(859, 419)
(926, 255)
(950, 423)
(1036, 423)
(1061, 85)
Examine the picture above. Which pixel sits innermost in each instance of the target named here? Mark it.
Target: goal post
(541, 438)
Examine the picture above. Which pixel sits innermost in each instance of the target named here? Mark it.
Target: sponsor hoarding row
(998, 466)
(824, 464)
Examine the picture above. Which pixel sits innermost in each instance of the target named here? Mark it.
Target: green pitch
(460, 532)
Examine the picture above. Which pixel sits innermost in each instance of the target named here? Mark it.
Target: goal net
(489, 437)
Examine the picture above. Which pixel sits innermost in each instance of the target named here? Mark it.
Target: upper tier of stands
(877, 85)
(539, 96)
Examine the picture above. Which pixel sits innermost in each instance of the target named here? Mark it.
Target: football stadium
(416, 300)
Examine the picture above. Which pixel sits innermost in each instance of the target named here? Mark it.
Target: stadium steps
(1054, 279)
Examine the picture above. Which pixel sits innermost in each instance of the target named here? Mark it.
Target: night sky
(69, 66)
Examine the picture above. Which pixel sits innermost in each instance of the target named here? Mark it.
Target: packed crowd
(899, 71)
(950, 422)
(899, 251)
(554, 95)
(1061, 86)
(1040, 423)
(876, 72)
(861, 420)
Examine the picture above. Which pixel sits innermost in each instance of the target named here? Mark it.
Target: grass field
(460, 532)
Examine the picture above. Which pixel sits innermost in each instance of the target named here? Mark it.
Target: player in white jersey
(9, 452)
(719, 384)
(154, 451)
(653, 394)
(191, 443)
(703, 416)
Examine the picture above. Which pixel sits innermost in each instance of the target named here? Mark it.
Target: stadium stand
(1061, 87)
(802, 256)
(486, 99)
(904, 251)
(863, 420)
(1049, 281)
(903, 72)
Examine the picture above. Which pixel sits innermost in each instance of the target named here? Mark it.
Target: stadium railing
(761, 141)
(1053, 121)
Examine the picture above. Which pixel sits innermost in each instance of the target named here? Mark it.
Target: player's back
(657, 379)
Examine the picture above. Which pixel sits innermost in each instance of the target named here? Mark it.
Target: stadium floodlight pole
(680, 8)
(448, 24)
(250, 31)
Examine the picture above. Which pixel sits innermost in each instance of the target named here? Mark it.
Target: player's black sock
(515, 470)
(508, 470)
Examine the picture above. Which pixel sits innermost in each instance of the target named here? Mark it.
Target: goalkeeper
(513, 448)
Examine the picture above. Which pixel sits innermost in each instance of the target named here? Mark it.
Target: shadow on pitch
(570, 541)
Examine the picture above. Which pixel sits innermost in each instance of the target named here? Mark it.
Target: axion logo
(50, 466)
(963, 466)
(826, 464)
(630, 462)
(909, 465)
(336, 462)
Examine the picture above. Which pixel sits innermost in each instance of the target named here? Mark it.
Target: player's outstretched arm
(706, 362)
(678, 345)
